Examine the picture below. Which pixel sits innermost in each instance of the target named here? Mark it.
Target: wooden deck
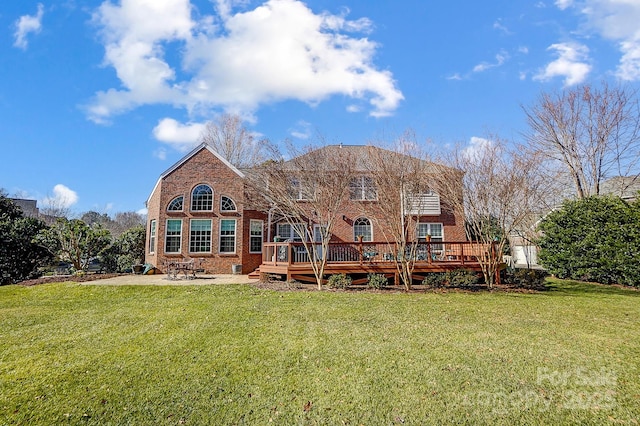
(291, 261)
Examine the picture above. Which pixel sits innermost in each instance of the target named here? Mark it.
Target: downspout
(269, 214)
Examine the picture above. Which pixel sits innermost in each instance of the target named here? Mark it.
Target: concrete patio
(162, 279)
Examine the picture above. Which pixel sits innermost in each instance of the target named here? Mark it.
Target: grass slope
(238, 355)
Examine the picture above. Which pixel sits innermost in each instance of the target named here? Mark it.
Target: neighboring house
(29, 207)
(625, 187)
(199, 209)
(524, 250)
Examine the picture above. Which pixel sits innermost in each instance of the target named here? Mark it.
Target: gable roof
(187, 157)
(361, 155)
(625, 187)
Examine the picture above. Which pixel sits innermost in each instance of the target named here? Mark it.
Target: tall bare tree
(594, 133)
(231, 139)
(307, 192)
(501, 186)
(401, 177)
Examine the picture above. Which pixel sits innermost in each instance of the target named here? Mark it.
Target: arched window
(227, 204)
(176, 204)
(362, 227)
(202, 198)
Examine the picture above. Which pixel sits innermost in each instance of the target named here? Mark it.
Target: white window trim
(153, 234)
(298, 189)
(295, 237)
(213, 198)
(255, 236)
(235, 237)
(355, 236)
(317, 233)
(172, 200)
(362, 189)
(429, 228)
(165, 237)
(211, 237)
(232, 200)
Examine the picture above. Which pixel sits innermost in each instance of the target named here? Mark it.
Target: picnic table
(175, 268)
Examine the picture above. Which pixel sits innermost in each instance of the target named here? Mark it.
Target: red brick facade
(204, 166)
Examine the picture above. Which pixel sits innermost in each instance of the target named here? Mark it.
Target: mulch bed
(296, 286)
(72, 278)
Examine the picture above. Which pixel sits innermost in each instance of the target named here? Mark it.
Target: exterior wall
(202, 168)
(453, 226)
(153, 213)
(251, 261)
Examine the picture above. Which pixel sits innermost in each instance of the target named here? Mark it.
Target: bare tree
(401, 179)
(594, 133)
(231, 139)
(307, 192)
(501, 188)
(53, 209)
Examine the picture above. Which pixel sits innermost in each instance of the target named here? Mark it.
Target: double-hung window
(255, 237)
(200, 236)
(300, 190)
(173, 236)
(434, 230)
(289, 233)
(227, 243)
(362, 188)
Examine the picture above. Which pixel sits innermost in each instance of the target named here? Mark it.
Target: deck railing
(292, 253)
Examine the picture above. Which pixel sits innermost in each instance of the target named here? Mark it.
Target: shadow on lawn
(568, 287)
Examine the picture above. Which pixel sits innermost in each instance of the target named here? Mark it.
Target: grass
(235, 354)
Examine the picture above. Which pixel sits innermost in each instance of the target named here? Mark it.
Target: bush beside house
(593, 239)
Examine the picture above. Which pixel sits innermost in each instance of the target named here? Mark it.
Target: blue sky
(98, 98)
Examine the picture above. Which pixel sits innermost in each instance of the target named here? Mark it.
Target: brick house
(198, 209)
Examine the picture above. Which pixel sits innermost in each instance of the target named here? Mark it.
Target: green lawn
(82, 354)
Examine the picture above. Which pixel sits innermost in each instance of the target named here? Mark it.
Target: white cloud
(615, 20)
(27, 24)
(629, 68)
(500, 60)
(563, 4)
(62, 197)
(143, 211)
(181, 136)
(476, 147)
(302, 130)
(160, 154)
(236, 61)
(498, 25)
(572, 64)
